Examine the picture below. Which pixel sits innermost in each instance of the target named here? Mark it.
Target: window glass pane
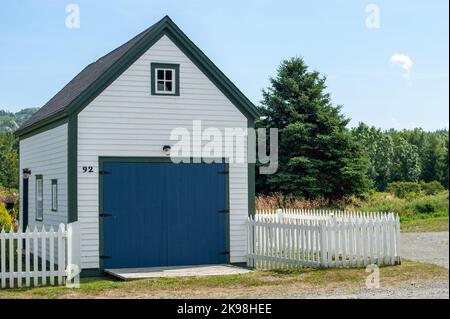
(164, 79)
(54, 195)
(39, 198)
(39, 189)
(160, 74)
(39, 193)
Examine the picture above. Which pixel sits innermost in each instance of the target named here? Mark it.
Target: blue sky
(247, 40)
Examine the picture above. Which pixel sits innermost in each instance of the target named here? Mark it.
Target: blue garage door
(164, 214)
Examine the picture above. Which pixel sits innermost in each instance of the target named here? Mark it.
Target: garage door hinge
(224, 211)
(105, 215)
(223, 173)
(105, 257)
(104, 172)
(225, 253)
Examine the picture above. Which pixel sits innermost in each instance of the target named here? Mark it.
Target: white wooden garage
(109, 128)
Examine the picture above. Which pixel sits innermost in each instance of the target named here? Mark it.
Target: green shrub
(425, 208)
(422, 206)
(429, 204)
(404, 189)
(5, 219)
(432, 188)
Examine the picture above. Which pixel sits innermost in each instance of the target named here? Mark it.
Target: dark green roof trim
(164, 27)
(43, 126)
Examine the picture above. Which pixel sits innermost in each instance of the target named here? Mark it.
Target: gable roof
(93, 79)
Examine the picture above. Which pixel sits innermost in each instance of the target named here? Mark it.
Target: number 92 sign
(88, 169)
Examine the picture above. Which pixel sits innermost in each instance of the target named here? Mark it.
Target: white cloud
(403, 60)
(406, 63)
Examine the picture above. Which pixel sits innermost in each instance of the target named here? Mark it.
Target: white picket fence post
(73, 245)
(73, 253)
(32, 256)
(309, 238)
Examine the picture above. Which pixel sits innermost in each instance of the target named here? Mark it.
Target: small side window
(39, 209)
(54, 195)
(165, 79)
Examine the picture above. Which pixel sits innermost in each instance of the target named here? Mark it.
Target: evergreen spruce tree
(318, 156)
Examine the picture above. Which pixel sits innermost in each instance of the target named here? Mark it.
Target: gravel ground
(426, 247)
(429, 290)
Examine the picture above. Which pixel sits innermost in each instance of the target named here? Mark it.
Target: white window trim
(174, 89)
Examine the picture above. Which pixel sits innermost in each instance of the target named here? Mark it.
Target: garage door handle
(105, 215)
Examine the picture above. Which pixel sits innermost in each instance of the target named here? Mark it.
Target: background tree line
(319, 156)
(407, 155)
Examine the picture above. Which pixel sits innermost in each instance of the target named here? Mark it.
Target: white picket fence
(38, 257)
(315, 214)
(317, 238)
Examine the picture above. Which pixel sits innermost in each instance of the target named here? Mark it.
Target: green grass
(421, 213)
(432, 224)
(405, 207)
(257, 283)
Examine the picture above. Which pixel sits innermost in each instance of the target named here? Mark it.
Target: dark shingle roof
(81, 82)
(98, 72)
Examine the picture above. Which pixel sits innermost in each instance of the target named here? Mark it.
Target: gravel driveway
(426, 247)
(429, 290)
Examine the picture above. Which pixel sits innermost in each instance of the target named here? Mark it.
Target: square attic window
(165, 79)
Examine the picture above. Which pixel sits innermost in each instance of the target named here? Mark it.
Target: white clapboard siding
(45, 154)
(23, 265)
(126, 120)
(310, 238)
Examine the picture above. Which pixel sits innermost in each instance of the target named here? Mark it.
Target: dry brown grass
(258, 284)
(278, 200)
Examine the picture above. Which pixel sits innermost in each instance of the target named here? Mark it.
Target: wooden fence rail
(37, 257)
(322, 239)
